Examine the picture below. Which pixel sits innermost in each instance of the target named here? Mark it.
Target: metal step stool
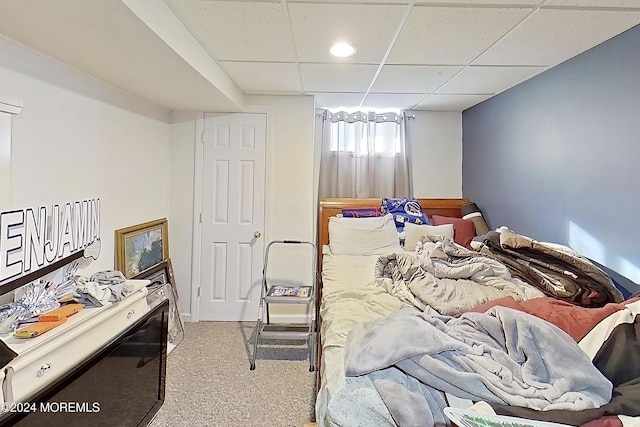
(286, 294)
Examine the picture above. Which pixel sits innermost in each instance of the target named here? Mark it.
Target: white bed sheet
(349, 297)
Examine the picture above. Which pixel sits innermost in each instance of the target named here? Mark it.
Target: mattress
(349, 297)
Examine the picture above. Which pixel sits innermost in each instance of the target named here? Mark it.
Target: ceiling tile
(237, 31)
(337, 100)
(443, 102)
(488, 80)
(337, 77)
(595, 3)
(370, 28)
(451, 35)
(264, 76)
(253, 42)
(400, 101)
(413, 78)
(552, 36)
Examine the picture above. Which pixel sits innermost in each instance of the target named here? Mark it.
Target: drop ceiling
(208, 55)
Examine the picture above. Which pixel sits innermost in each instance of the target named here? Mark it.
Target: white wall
(181, 198)
(77, 138)
(289, 204)
(290, 201)
(5, 160)
(290, 198)
(436, 151)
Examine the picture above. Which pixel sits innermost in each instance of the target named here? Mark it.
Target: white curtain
(364, 154)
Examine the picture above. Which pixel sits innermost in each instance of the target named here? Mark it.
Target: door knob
(257, 234)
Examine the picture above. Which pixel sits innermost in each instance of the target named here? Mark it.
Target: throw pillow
(463, 229)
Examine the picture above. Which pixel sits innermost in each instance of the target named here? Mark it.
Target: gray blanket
(448, 277)
(503, 356)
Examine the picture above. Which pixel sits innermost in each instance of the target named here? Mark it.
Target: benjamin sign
(35, 237)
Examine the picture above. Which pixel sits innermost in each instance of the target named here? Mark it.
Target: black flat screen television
(122, 385)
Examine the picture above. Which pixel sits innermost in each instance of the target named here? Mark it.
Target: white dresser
(43, 360)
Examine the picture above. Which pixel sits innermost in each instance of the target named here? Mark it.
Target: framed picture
(159, 274)
(163, 286)
(141, 246)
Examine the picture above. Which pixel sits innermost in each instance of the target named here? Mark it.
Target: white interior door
(233, 189)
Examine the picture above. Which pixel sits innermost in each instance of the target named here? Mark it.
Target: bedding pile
(502, 356)
(610, 337)
(557, 270)
(518, 327)
(447, 277)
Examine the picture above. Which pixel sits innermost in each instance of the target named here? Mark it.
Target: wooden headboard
(332, 207)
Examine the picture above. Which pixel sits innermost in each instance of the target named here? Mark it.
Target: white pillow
(363, 236)
(413, 233)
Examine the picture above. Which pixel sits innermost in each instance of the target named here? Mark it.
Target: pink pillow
(463, 229)
(574, 320)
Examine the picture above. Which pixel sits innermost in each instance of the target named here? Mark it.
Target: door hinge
(200, 217)
(202, 137)
(198, 291)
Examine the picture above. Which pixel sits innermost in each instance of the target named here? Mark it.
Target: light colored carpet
(209, 382)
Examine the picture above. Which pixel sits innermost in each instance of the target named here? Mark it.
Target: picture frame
(159, 274)
(141, 246)
(162, 285)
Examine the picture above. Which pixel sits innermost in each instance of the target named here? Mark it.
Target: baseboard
(289, 318)
(275, 318)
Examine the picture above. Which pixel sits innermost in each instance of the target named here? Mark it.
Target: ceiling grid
(444, 55)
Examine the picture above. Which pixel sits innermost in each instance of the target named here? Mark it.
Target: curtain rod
(406, 116)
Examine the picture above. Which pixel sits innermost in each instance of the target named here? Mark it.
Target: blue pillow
(404, 210)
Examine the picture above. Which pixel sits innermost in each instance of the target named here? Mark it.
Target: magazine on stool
(287, 293)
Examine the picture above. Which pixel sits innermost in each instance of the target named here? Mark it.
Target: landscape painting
(141, 246)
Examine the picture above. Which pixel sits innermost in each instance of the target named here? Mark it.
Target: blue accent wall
(557, 158)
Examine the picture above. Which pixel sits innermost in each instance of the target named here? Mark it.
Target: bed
(379, 347)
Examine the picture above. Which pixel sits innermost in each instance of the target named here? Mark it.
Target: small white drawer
(29, 373)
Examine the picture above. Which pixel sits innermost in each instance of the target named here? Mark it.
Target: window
(363, 155)
(355, 138)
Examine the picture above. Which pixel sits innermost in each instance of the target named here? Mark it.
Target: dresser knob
(131, 313)
(43, 370)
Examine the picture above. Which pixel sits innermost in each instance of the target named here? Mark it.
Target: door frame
(196, 249)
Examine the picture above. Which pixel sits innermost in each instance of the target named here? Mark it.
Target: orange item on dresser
(36, 329)
(60, 313)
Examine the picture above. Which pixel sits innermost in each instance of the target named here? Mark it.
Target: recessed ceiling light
(342, 50)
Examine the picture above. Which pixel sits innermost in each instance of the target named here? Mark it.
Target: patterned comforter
(557, 270)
